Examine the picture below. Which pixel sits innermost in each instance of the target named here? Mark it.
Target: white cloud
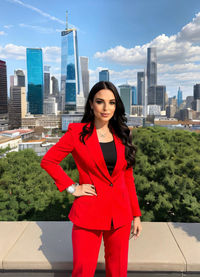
(2, 33)
(178, 58)
(11, 51)
(191, 31)
(173, 49)
(52, 54)
(8, 26)
(16, 52)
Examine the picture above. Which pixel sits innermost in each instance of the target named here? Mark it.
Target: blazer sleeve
(129, 179)
(51, 160)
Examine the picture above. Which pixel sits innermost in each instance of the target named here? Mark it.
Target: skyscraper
(3, 88)
(160, 96)
(18, 106)
(156, 96)
(55, 87)
(46, 81)
(85, 75)
(35, 80)
(140, 87)
(104, 75)
(196, 91)
(134, 95)
(125, 94)
(179, 97)
(19, 78)
(70, 84)
(151, 67)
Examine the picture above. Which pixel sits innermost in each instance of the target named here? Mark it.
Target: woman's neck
(101, 125)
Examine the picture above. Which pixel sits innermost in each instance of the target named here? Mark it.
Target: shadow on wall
(192, 229)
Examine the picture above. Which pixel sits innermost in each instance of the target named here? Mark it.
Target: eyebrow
(103, 99)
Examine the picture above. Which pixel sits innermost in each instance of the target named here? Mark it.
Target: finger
(90, 192)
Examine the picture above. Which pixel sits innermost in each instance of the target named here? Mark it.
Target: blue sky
(114, 34)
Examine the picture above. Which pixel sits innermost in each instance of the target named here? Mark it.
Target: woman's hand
(85, 189)
(137, 226)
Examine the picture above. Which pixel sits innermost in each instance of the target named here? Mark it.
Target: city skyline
(116, 39)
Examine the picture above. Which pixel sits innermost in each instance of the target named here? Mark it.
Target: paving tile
(43, 245)
(155, 250)
(9, 233)
(187, 236)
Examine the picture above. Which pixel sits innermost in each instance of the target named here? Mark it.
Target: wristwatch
(71, 189)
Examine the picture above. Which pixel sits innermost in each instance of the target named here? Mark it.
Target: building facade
(140, 87)
(126, 96)
(104, 75)
(151, 67)
(19, 78)
(3, 88)
(85, 75)
(18, 106)
(179, 97)
(46, 81)
(35, 80)
(134, 95)
(70, 84)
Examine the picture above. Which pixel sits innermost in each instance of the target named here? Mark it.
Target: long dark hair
(117, 122)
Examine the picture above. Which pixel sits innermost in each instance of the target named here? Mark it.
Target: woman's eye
(113, 103)
(98, 101)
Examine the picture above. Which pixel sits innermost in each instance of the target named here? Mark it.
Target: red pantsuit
(116, 200)
(86, 245)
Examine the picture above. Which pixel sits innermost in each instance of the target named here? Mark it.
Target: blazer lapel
(95, 153)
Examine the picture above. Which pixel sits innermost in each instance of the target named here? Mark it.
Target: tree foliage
(167, 178)
(167, 174)
(28, 192)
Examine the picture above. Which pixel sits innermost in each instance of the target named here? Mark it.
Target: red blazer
(116, 194)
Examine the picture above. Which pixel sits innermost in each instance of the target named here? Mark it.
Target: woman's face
(104, 105)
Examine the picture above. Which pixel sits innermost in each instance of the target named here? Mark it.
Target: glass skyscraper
(125, 94)
(179, 97)
(85, 75)
(140, 87)
(151, 67)
(134, 95)
(104, 76)
(70, 84)
(3, 88)
(35, 80)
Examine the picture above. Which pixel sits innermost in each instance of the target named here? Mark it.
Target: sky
(113, 34)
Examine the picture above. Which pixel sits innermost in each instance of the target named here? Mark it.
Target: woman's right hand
(85, 189)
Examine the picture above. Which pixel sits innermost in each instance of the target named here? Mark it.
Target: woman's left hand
(137, 227)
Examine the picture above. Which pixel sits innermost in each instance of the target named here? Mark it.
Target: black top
(110, 154)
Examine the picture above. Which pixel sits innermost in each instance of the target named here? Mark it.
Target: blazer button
(111, 185)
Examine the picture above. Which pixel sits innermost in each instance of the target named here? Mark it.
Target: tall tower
(70, 84)
(35, 80)
(19, 78)
(104, 75)
(134, 95)
(179, 97)
(125, 94)
(140, 87)
(46, 81)
(3, 88)
(151, 67)
(85, 75)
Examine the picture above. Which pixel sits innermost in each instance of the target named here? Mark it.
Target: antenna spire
(66, 20)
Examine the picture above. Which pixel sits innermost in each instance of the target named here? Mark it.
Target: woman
(105, 201)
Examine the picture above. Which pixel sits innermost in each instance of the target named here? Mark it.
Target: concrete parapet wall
(44, 245)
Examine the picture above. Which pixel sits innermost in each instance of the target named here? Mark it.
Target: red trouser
(86, 244)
